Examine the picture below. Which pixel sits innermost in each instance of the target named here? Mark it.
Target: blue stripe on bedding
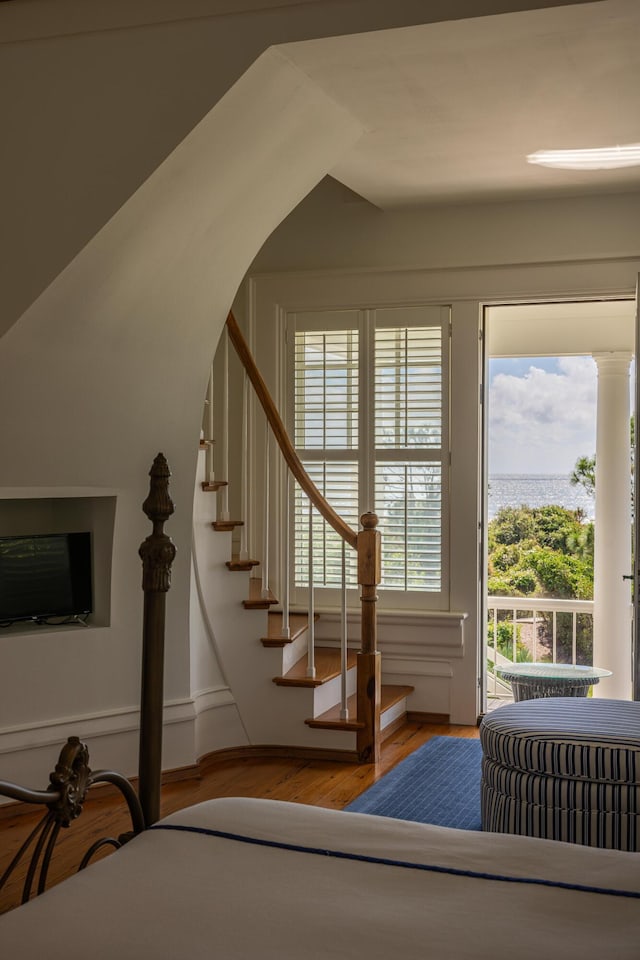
(404, 864)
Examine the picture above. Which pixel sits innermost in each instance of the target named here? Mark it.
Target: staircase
(267, 673)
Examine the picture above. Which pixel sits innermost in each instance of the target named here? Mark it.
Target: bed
(259, 879)
(243, 878)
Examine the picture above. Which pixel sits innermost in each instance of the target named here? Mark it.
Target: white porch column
(612, 553)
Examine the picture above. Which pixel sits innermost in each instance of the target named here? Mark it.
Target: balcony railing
(536, 629)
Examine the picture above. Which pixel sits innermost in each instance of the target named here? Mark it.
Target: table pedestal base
(535, 689)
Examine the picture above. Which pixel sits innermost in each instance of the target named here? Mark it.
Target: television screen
(45, 575)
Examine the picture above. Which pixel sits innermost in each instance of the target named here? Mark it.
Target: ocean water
(540, 490)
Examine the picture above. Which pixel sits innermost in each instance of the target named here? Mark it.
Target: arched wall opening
(109, 366)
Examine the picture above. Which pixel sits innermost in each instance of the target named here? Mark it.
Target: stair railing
(366, 543)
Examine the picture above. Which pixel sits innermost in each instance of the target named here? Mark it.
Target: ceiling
(452, 109)
(561, 329)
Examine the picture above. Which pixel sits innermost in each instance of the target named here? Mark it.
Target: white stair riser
(397, 710)
(328, 694)
(294, 651)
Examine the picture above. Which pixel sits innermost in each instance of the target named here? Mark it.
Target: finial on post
(158, 551)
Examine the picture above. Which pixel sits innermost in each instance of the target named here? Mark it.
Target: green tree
(584, 474)
(561, 575)
(511, 525)
(584, 471)
(543, 552)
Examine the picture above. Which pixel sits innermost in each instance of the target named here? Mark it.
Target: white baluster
(286, 631)
(495, 650)
(574, 639)
(209, 438)
(243, 553)
(554, 641)
(344, 710)
(265, 519)
(311, 661)
(224, 513)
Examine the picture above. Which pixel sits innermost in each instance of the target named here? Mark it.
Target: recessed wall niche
(26, 515)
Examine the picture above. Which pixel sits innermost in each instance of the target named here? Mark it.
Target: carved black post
(157, 553)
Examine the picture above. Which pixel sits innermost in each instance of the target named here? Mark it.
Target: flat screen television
(45, 575)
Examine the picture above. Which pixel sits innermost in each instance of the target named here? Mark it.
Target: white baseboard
(193, 726)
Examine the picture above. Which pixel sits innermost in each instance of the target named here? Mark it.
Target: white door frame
(635, 663)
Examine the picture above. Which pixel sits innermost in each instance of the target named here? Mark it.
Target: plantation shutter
(326, 436)
(369, 419)
(409, 423)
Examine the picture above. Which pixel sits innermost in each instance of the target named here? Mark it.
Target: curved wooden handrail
(291, 457)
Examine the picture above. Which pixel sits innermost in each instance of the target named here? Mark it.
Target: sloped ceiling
(452, 109)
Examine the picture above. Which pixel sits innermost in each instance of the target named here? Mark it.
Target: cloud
(542, 421)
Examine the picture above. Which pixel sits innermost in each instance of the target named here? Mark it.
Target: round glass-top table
(530, 681)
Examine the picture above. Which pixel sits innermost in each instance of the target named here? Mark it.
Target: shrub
(538, 552)
(504, 642)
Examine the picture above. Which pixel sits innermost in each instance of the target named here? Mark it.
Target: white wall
(110, 365)
(94, 95)
(334, 229)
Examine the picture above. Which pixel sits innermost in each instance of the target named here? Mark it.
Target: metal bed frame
(72, 777)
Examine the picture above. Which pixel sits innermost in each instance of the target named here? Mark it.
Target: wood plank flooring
(321, 783)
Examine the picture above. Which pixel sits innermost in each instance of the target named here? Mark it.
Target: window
(369, 416)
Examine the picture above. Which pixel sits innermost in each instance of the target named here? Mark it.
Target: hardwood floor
(322, 783)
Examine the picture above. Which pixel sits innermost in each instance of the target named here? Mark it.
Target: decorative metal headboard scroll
(64, 798)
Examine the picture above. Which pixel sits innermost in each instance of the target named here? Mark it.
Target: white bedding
(182, 893)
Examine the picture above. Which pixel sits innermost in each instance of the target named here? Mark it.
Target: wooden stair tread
(330, 719)
(226, 524)
(236, 564)
(327, 661)
(298, 623)
(255, 600)
(210, 486)
(391, 694)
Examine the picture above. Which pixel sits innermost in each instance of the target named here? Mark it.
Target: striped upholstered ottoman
(563, 769)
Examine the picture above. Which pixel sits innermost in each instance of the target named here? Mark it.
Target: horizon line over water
(537, 490)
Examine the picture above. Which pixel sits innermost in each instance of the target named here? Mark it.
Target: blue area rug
(439, 783)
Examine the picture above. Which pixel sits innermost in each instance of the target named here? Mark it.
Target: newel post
(157, 553)
(369, 663)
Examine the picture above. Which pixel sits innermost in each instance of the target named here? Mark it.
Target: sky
(542, 414)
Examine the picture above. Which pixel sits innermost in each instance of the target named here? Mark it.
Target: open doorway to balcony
(558, 391)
